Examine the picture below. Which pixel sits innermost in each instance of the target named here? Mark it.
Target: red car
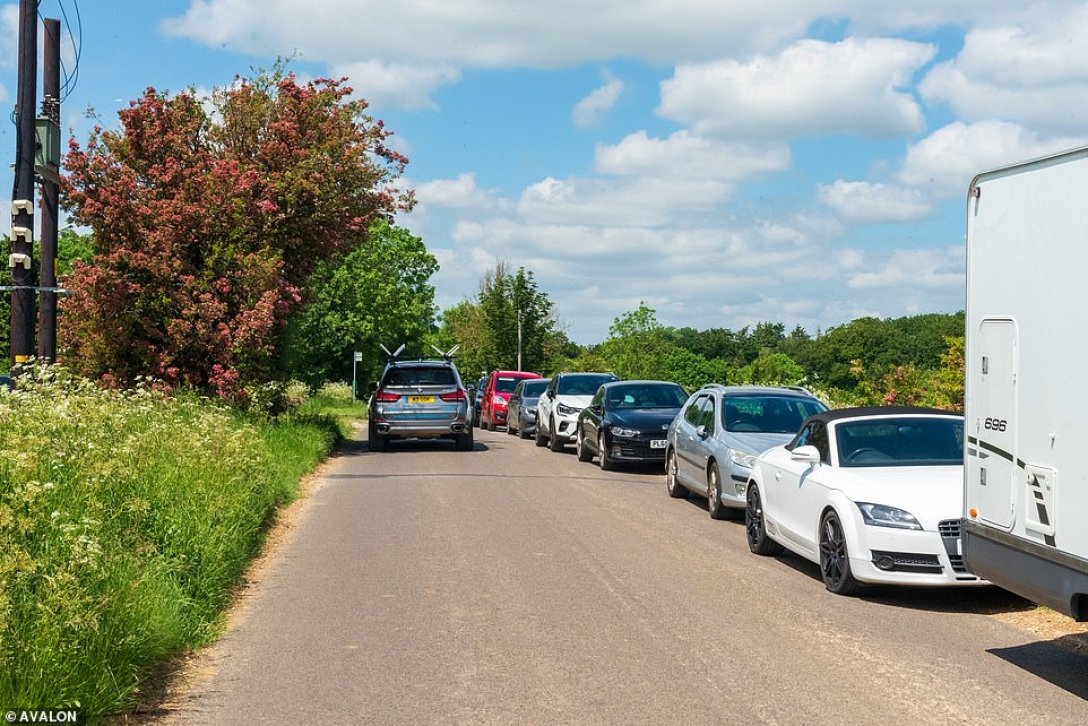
(496, 394)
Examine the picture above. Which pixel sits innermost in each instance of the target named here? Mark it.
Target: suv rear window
(420, 376)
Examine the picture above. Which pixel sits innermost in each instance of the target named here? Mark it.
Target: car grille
(907, 562)
(641, 452)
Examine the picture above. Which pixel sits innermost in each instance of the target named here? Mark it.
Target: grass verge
(125, 520)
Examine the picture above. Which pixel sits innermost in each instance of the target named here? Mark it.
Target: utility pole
(47, 318)
(22, 205)
(519, 337)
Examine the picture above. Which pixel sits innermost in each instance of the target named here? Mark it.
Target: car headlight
(743, 458)
(498, 400)
(878, 515)
(624, 433)
(565, 410)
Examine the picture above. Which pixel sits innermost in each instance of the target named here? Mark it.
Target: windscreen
(768, 414)
(914, 441)
(533, 389)
(506, 384)
(583, 384)
(646, 396)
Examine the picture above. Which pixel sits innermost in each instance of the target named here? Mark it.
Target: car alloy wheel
(584, 454)
(554, 443)
(754, 527)
(835, 557)
(672, 485)
(714, 504)
(605, 460)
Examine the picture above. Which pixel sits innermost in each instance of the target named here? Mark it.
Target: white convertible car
(873, 495)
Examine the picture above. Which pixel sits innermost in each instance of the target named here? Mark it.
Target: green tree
(638, 345)
(487, 327)
(776, 369)
(378, 293)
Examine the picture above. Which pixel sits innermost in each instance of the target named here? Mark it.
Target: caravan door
(993, 369)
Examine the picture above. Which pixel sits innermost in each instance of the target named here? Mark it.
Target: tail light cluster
(386, 397)
(458, 395)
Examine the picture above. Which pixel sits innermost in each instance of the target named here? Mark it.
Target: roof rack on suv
(392, 356)
(448, 355)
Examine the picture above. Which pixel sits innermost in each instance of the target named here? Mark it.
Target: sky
(726, 162)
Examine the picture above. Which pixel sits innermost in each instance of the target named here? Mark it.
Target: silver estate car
(715, 439)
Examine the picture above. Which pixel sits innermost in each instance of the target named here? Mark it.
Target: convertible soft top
(861, 411)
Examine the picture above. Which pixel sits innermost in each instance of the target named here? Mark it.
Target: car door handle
(778, 475)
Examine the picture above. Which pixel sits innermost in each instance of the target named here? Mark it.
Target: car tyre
(541, 439)
(510, 430)
(491, 423)
(584, 454)
(714, 504)
(376, 441)
(605, 461)
(522, 433)
(464, 441)
(554, 442)
(835, 557)
(755, 527)
(673, 486)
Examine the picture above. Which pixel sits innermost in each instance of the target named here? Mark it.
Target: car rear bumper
(421, 429)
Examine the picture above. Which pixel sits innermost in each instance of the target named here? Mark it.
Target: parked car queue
(871, 495)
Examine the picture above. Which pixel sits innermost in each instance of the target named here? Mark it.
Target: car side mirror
(471, 391)
(372, 386)
(806, 454)
(701, 432)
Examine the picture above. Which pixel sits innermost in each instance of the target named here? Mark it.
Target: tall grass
(125, 519)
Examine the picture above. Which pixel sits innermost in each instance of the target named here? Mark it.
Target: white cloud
(942, 268)
(812, 87)
(866, 202)
(687, 155)
(945, 162)
(1035, 74)
(591, 109)
(459, 193)
(406, 86)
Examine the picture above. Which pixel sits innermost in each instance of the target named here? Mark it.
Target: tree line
(249, 237)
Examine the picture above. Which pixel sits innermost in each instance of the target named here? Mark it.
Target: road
(515, 585)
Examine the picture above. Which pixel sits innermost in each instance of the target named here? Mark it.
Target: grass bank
(125, 520)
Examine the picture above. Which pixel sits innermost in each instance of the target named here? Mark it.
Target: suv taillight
(386, 397)
(458, 395)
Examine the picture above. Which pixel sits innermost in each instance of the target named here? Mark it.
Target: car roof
(421, 363)
(517, 374)
(878, 412)
(757, 390)
(613, 384)
(585, 373)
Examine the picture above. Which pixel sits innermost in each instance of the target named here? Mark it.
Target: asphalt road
(514, 585)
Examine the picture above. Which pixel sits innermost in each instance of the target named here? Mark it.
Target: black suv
(422, 399)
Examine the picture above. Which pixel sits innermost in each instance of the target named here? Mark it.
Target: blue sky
(727, 162)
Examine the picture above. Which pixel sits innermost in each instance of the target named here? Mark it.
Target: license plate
(658, 443)
(421, 399)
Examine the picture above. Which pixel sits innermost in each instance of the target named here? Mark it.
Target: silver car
(715, 439)
(422, 399)
(521, 410)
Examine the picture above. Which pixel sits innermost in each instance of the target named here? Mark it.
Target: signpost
(354, 365)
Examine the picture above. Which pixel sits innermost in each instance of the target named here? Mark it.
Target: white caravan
(1026, 493)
